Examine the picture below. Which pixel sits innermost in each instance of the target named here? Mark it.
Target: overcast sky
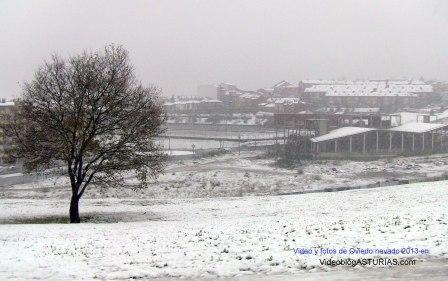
(180, 44)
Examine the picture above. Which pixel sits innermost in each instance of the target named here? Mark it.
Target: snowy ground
(223, 237)
(249, 174)
(225, 134)
(178, 152)
(186, 144)
(201, 220)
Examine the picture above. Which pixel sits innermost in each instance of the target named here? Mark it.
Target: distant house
(234, 98)
(222, 89)
(193, 106)
(285, 89)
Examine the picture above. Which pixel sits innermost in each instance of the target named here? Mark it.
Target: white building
(381, 94)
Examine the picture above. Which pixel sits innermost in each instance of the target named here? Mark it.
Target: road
(17, 178)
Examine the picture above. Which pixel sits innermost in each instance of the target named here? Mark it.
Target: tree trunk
(74, 210)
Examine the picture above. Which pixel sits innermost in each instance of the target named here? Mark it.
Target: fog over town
(224, 140)
(179, 45)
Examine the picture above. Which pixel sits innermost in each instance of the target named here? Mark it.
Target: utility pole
(350, 140)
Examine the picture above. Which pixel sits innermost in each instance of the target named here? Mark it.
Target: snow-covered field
(225, 134)
(178, 152)
(249, 174)
(218, 237)
(201, 220)
(186, 144)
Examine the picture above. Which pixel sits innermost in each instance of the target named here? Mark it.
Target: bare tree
(91, 115)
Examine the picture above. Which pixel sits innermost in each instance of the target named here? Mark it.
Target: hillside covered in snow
(225, 237)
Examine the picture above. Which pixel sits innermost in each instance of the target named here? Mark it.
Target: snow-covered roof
(211, 100)
(282, 83)
(326, 82)
(287, 100)
(370, 88)
(250, 96)
(366, 109)
(414, 127)
(364, 82)
(192, 102)
(342, 132)
(355, 93)
(227, 85)
(244, 94)
(442, 115)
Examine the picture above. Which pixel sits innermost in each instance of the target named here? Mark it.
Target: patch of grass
(86, 218)
(37, 220)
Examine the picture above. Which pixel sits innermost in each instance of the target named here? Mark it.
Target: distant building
(306, 120)
(282, 105)
(285, 89)
(222, 89)
(234, 98)
(193, 106)
(318, 95)
(387, 95)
